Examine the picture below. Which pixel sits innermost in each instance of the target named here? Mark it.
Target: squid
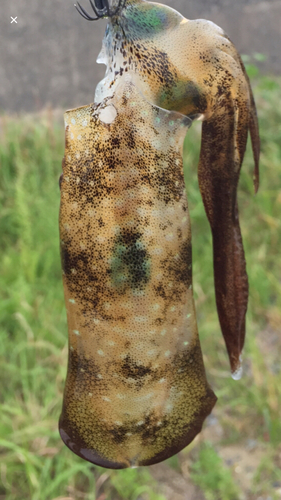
(136, 391)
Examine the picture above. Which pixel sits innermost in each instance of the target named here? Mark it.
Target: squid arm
(224, 138)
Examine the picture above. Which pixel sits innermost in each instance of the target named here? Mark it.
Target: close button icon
(14, 20)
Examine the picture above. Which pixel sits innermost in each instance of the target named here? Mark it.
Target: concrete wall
(48, 56)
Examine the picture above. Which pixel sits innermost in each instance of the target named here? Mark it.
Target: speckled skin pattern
(136, 390)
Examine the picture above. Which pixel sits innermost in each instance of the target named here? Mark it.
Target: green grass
(209, 473)
(35, 465)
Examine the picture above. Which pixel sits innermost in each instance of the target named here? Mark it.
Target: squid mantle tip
(101, 9)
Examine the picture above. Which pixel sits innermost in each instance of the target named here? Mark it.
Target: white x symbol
(14, 20)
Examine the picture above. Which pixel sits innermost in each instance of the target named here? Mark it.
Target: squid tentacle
(224, 139)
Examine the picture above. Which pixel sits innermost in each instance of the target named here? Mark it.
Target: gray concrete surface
(48, 57)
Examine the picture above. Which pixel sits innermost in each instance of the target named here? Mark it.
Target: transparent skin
(136, 389)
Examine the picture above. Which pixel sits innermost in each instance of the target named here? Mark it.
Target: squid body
(136, 390)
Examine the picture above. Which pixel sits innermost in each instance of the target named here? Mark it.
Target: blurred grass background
(238, 454)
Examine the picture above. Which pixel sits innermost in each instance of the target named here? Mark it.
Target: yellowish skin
(136, 390)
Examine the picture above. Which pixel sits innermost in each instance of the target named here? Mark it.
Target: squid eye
(101, 9)
(99, 4)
